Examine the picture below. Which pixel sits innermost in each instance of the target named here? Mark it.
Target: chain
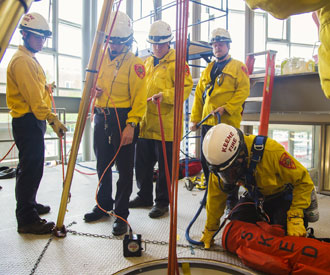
(192, 247)
(44, 251)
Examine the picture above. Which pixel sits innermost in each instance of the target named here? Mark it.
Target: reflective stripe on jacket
(26, 90)
(123, 83)
(160, 78)
(234, 88)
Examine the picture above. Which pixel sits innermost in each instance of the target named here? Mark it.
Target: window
(287, 37)
(299, 140)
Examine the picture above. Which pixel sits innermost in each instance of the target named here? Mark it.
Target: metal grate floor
(98, 252)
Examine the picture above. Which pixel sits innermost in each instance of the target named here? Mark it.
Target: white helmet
(221, 145)
(220, 35)
(160, 32)
(122, 31)
(35, 23)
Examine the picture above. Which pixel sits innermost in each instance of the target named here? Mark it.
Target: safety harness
(215, 73)
(257, 151)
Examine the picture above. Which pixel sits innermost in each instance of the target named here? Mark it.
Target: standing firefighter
(29, 102)
(120, 105)
(278, 187)
(160, 73)
(223, 87)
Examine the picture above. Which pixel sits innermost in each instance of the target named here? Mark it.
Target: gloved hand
(58, 127)
(207, 238)
(295, 223)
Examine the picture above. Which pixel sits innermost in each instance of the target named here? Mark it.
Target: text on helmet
(229, 139)
(28, 17)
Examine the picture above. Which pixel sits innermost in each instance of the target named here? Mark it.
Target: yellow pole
(11, 12)
(83, 109)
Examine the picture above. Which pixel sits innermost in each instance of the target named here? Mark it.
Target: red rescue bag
(265, 247)
(194, 167)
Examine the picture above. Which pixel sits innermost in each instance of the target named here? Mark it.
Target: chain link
(155, 242)
(44, 251)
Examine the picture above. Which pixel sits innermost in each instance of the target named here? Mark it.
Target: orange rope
(167, 172)
(8, 152)
(180, 59)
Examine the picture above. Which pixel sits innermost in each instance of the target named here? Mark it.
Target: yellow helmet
(35, 23)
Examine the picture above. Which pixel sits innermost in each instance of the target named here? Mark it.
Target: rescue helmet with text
(226, 154)
(160, 32)
(220, 35)
(35, 23)
(122, 30)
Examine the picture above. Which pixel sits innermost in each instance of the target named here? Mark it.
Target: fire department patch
(244, 69)
(187, 71)
(287, 162)
(139, 69)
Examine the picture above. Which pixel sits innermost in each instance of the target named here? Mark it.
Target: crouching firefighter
(278, 187)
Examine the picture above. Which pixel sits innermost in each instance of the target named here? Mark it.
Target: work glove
(295, 223)
(58, 127)
(207, 238)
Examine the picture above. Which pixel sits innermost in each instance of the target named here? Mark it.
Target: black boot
(119, 227)
(42, 209)
(95, 215)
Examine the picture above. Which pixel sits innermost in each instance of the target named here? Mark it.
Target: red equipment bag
(265, 247)
(194, 167)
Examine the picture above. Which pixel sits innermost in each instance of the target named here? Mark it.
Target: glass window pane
(308, 34)
(259, 32)
(302, 51)
(282, 51)
(66, 8)
(299, 140)
(69, 41)
(4, 64)
(236, 5)
(48, 64)
(276, 28)
(69, 72)
(69, 92)
(236, 30)
(141, 30)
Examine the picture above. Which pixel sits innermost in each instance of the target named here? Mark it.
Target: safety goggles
(233, 173)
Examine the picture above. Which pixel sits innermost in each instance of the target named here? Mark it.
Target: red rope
(180, 59)
(167, 172)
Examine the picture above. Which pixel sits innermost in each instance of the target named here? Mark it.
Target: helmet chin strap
(222, 57)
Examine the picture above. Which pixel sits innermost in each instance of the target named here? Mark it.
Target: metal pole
(11, 12)
(83, 109)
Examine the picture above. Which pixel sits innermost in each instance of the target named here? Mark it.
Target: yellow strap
(186, 268)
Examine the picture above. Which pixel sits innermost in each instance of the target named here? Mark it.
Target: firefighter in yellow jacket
(223, 87)
(29, 102)
(278, 187)
(160, 72)
(120, 105)
(282, 9)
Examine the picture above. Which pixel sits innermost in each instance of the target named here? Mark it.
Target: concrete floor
(99, 252)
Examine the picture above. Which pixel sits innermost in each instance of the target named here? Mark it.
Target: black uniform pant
(206, 172)
(106, 144)
(148, 152)
(28, 133)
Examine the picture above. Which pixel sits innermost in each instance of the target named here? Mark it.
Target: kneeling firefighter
(278, 187)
